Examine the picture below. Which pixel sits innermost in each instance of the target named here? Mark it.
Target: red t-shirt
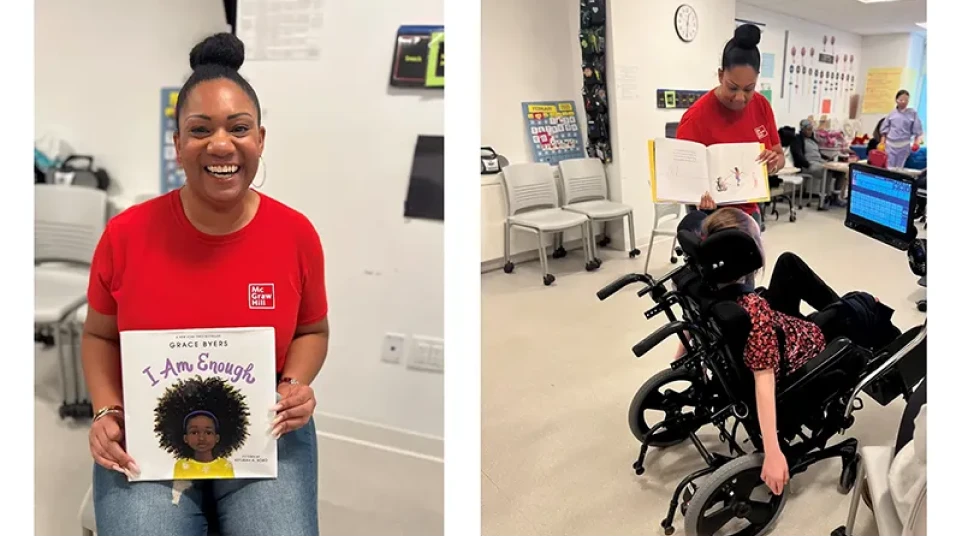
(709, 122)
(155, 271)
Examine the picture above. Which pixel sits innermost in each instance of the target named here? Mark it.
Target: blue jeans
(283, 506)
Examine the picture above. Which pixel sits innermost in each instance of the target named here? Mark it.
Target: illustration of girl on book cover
(202, 421)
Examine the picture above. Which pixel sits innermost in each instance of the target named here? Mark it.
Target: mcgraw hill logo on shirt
(260, 296)
(761, 132)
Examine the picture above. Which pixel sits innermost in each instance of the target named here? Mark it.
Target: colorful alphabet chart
(553, 130)
(171, 174)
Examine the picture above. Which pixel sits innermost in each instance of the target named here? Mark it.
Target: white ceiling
(853, 16)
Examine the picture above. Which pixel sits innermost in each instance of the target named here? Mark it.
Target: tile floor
(558, 375)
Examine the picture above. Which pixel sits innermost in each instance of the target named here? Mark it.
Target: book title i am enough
(235, 373)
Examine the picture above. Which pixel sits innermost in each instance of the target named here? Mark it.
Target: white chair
(68, 223)
(670, 214)
(533, 205)
(88, 521)
(585, 191)
(795, 180)
(872, 484)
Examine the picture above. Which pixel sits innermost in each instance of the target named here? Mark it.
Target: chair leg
(634, 251)
(651, 243)
(507, 243)
(856, 498)
(674, 257)
(586, 244)
(595, 247)
(547, 278)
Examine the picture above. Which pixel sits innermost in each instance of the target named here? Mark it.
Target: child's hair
(213, 397)
(732, 218)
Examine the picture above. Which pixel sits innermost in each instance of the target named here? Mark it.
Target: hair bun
(219, 49)
(748, 36)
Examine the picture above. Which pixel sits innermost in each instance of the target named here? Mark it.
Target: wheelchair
(814, 403)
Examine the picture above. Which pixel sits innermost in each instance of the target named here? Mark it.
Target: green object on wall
(435, 69)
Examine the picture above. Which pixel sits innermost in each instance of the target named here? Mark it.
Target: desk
(831, 166)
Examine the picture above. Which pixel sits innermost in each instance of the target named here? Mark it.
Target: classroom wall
(892, 50)
(645, 54)
(99, 68)
(529, 52)
(790, 107)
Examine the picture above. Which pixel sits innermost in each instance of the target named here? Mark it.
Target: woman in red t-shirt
(188, 259)
(733, 113)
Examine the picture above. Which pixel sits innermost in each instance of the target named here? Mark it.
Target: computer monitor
(881, 205)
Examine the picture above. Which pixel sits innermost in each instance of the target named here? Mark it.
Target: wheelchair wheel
(666, 403)
(734, 500)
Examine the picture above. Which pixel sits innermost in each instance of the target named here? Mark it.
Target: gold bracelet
(108, 410)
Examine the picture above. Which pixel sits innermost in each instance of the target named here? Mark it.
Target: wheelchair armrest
(655, 338)
(837, 352)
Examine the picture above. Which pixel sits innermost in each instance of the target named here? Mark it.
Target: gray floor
(558, 374)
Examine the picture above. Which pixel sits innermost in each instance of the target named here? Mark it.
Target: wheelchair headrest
(690, 233)
(727, 256)
(724, 257)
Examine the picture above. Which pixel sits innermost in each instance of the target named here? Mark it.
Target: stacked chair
(536, 204)
(68, 223)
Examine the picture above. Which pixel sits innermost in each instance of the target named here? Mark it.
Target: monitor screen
(881, 200)
(881, 205)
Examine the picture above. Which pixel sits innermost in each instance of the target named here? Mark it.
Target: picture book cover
(682, 171)
(197, 403)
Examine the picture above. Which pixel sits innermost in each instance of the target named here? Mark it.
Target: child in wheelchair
(781, 339)
(753, 361)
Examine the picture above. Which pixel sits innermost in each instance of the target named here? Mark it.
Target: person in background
(185, 260)
(807, 155)
(901, 131)
(734, 113)
(876, 137)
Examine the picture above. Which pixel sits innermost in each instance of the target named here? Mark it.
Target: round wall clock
(686, 23)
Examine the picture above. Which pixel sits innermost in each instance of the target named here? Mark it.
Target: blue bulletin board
(553, 131)
(171, 175)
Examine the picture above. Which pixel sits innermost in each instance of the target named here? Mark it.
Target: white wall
(893, 50)
(529, 52)
(339, 148)
(327, 155)
(641, 37)
(801, 103)
(99, 70)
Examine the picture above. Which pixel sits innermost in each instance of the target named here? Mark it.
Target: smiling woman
(255, 262)
(733, 112)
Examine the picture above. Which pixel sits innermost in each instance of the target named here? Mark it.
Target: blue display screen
(881, 200)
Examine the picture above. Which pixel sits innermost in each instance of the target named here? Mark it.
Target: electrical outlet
(427, 354)
(437, 356)
(393, 348)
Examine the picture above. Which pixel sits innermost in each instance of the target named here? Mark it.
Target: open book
(683, 171)
(197, 403)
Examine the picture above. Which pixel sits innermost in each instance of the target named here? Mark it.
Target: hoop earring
(263, 166)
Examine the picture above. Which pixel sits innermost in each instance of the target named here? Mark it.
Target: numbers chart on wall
(553, 131)
(171, 174)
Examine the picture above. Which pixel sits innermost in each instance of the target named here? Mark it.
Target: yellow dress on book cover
(216, 469)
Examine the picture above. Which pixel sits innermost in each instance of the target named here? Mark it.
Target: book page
(736, 176)
(197, 403)
(680, 170)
